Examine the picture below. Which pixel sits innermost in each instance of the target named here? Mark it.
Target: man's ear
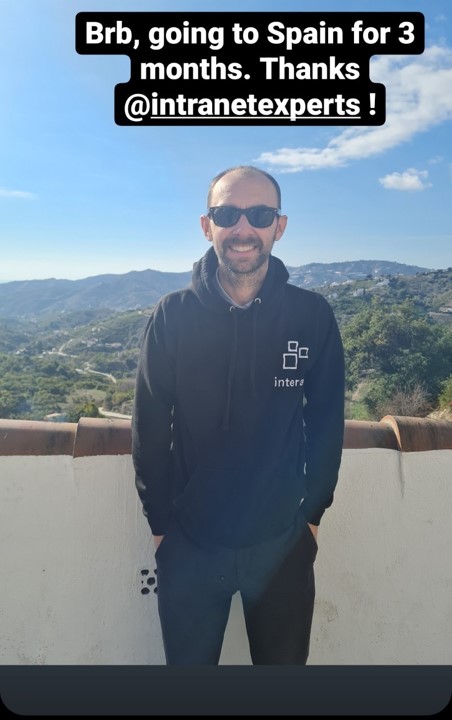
(281, 226)
(205, 224)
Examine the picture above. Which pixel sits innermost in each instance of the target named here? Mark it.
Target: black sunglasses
(259, 216)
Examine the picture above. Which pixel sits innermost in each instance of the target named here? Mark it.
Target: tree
(396, 352)
(85, 407)
(445, 398)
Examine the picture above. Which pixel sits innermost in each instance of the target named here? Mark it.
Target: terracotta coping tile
(108, 436)
(418, 434)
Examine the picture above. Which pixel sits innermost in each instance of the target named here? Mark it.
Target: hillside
(114, 292)
(316, 275)
(140, 289)
(53, 362)
(430, 293)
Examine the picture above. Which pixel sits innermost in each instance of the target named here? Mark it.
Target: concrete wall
(74, 545)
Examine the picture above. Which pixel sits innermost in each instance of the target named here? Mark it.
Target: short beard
(236, 273)
(261, 259)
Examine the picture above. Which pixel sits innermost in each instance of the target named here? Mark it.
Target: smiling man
(243, 241)
(237, 435)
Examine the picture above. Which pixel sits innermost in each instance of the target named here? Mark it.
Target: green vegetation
(397, 334)
(430, 293)
(84, 408)
(445, 397)
(68, 363)
(396, 361)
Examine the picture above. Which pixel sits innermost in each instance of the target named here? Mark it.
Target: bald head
(245, 171)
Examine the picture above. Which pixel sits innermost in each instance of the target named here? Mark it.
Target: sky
(82, 196)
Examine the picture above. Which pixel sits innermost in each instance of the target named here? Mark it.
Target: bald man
(237, 435)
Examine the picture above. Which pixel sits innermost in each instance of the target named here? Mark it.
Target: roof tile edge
(419, 434)
(33, 437)
(111, 436)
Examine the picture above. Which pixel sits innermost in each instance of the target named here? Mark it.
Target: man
(237, 435)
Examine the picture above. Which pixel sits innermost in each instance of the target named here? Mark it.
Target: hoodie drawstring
(257, 303)
(232, 362)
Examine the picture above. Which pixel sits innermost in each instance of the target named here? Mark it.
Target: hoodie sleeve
(324, 415)
(151, 424)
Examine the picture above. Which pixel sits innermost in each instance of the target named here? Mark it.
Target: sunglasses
(259, 216)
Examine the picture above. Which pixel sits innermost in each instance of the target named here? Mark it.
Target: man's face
(242, 249)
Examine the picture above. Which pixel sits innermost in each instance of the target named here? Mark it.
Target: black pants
(274, 578)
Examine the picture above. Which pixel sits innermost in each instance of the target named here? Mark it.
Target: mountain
(142, 289)
(315, 275)
(132, 290)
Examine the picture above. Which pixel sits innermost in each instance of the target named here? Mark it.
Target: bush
(86, 407)
(445, 397)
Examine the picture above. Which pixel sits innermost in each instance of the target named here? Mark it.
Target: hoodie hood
(203, 282)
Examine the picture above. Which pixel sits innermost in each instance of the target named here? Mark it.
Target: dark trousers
(276, 583)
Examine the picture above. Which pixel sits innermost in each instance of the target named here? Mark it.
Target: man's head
(243, 243)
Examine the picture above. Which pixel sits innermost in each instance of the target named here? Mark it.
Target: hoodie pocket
(164, 541)
(307, 539)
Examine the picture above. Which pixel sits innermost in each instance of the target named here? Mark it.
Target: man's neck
(242, 287)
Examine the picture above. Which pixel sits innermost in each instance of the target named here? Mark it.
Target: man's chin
(245, 266)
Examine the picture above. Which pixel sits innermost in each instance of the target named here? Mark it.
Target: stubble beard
(242, 272)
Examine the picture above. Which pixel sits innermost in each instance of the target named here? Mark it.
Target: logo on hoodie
(293, 355)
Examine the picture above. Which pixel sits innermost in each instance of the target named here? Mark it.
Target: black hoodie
(239, 414)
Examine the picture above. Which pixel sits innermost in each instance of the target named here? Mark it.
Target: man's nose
(243, 225)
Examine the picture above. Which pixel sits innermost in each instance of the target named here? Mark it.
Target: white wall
(73, 543)
(384, 570)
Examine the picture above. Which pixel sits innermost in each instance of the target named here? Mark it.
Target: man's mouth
(241, 248)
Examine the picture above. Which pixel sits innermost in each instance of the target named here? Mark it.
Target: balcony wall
(77, 560)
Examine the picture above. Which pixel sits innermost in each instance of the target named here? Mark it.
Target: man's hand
(157, 540)
(314, 529)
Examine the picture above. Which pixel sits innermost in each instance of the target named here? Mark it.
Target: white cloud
(418, 96)
(411, 179)
(435, 160)
(441, 18)
(4, 192)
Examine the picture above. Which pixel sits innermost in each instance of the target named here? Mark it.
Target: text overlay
(250, 68)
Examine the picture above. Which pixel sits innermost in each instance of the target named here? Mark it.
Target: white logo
(293, 354)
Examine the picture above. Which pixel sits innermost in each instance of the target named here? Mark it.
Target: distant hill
(142, 289)
(315, 275)
(430, 292)
(136, 289)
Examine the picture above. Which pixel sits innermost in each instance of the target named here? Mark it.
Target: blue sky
(80, 196)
